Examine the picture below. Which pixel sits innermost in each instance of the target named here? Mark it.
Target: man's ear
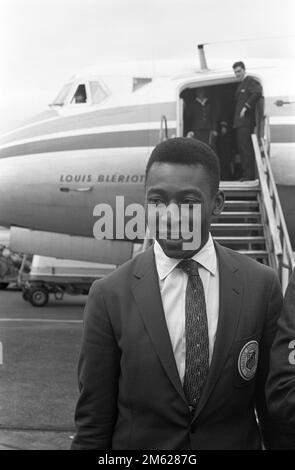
(218, 203)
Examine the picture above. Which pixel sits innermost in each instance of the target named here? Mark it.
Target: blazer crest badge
(248, 360)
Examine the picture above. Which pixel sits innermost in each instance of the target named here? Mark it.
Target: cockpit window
(92, 92)
(80, 95)
(62, 95)
(98, 94)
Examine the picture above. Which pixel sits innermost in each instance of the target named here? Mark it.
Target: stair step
(254, 184)
(240, 190)
(239, 205)
(241, 197)
(233, 226)
(225, 239)
(239, 214)
(237, 189)
(242, 202)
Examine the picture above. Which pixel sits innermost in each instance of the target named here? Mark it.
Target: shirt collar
(206, 257)
(203, 101)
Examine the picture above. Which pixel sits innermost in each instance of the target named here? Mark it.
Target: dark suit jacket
(204, 117)
(281, 382)
(130, 391)
(247, 94)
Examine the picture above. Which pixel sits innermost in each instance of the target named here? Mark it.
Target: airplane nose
(30, 194)
(33, 195)
(29, 191)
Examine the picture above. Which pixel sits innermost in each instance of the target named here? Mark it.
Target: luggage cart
(59, 276)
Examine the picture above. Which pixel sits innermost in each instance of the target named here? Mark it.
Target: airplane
(93, 142)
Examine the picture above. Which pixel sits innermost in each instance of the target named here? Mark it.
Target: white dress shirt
(173, 284)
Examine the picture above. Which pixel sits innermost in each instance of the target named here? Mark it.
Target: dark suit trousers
(225, 150)
(205, 136)
(246, 151)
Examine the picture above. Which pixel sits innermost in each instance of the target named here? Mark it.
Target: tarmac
(38, 371)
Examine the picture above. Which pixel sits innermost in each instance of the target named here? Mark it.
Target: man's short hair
(187, 151)
(239, 64)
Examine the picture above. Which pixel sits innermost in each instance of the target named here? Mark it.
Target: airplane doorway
(206, 113)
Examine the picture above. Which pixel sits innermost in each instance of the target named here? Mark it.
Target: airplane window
(139, 82)
(80, 95)
(62, 95)
(97, 92)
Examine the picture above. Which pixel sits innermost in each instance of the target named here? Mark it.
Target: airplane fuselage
(55, 169)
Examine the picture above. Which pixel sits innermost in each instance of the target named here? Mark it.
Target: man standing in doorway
(203, 115)
(247, 94)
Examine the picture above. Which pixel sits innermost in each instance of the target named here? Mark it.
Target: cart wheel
(3, 285)
(38, 296)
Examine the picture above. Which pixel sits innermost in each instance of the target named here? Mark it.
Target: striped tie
(196, 334)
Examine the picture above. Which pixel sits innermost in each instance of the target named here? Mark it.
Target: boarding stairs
(241, 224)
(252, 222)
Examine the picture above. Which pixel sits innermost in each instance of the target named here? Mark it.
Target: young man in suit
(247, 94)
(280, 389)
(176, 342)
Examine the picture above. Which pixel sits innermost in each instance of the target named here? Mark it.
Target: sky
(44, 42)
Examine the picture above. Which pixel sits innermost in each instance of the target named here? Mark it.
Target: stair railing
(278, 242)
(163, 128)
